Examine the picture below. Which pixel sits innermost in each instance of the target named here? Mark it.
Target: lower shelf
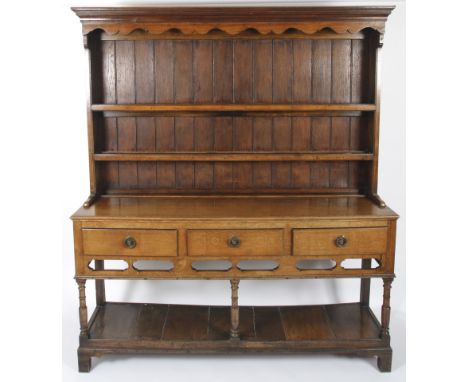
(170, 327)
(117, 328)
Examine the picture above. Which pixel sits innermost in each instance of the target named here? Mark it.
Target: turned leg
(234, 309)
(83, 310)
(384, 331)
(384, 359)
(84, 360)
(365, 283)
(100, 287)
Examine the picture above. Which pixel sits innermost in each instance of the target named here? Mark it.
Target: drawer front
(229, 242)
(349, 241)
(129, 242)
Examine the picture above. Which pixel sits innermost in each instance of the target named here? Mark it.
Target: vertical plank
(223, 175)
(301, 134)
(185, 175)
(355, 133)
(165, 135)
(320, 174)
(110, 174)
(144, 71)
(223, 136)
(262, 134)
(184, 134)
(204, 142)
(353, 174)
(146, 141)
(203, 130)
(127, 134)
(108, 71)
(263, 71)
(339, 174)
(341, 71)
(300, 175)
(146, 134)
(202, 71)
(242, 172)
(127, 139)
(165, 142)
(262, 174)
(125, 67)
(282, 71)
(242, 175)
(164, 70)
(262, 141)
(321, 71)
(128, 175)
(184, 140)
(281, 174)
(222, 71)
(183, 76)
(340, 133)
(243, 134)
(204, 175)
(302, 81)
(357, 71)
(243, 71)
(282, 137)
(339, 142)
(301, 138)
(321, 133)
(109, 134)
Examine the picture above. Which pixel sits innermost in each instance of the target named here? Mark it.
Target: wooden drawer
(222, 242)
(147, 242)
(357, 241)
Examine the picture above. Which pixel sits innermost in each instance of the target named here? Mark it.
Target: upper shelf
(232, 107)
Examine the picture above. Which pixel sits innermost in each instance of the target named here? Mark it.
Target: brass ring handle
(341, 241)
(234, 242)
(130, 242)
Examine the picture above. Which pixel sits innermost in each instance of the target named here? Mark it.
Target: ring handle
(341, 241)
(130, 242)
(234, 242)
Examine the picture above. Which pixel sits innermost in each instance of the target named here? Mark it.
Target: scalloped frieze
(349, 27)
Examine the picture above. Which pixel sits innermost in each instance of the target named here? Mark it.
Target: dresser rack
(233, 143)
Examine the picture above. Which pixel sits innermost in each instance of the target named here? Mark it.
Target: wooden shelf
(170, 327)
(233, 157)
(231, 107)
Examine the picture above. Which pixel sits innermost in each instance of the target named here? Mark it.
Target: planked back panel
(232, 71)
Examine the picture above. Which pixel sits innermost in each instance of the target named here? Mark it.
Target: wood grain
(322, 242)
(259, 130)
(259, 242)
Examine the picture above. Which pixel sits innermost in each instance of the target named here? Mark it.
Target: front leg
(84, 360)
(384, 359)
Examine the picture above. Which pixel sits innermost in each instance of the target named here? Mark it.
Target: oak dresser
(233, 143)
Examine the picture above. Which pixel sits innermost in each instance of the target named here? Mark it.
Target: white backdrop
(69, 70)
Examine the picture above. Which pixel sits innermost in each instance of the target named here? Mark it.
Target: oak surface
(233, 143)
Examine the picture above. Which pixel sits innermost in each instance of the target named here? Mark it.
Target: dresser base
(123, 328)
